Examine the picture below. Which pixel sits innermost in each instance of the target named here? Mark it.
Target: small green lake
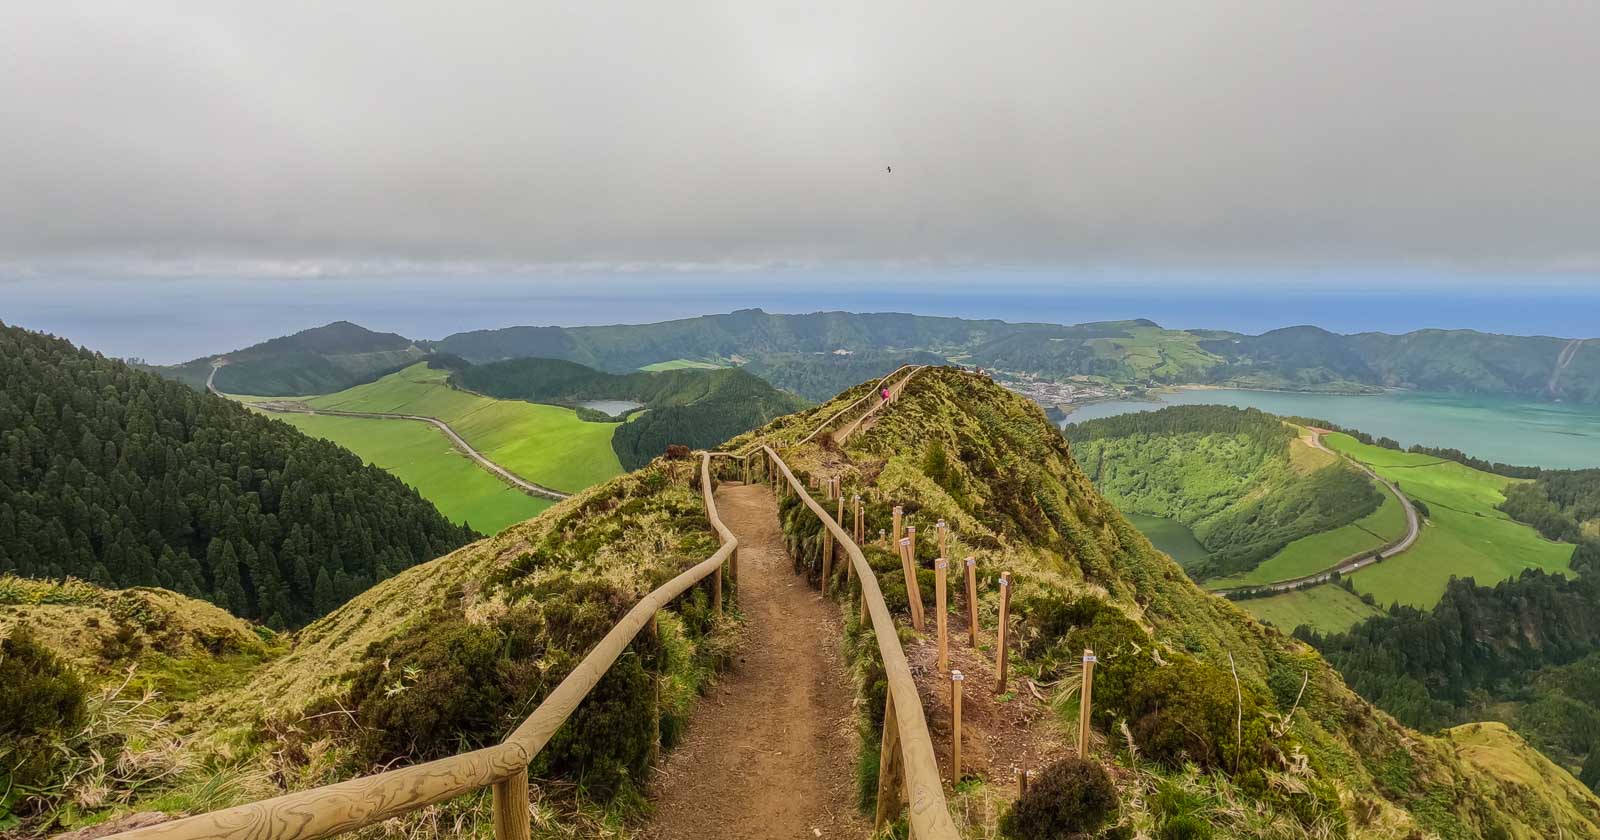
(1170, 536)
(1544, 434)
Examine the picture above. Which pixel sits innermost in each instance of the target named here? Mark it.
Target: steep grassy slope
(314, 361)
(446, 656)
(542, 443)
(421, 457)
(1260, 758)
(1264, 503)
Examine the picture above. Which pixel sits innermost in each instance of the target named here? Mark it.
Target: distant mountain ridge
(815, 354)
(320, 360)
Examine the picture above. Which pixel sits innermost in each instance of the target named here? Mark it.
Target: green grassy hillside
(421, 457)
(1258, 758)
(1217, 725)
(447, 656)
(542, 443)
(1466, 534)
(1265, 504)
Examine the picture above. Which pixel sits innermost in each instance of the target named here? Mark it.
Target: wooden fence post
(956, 679)
(890, 767)
(716, 590)
(511, 807)
(1000, 631)
(908, 561)
(827, 557)
(883, 537)
(839, 554)
(1085, 699)
(899, 514)
(944, 538)
(911, 582)
(939, 575)
(861, 524)
(972, 599)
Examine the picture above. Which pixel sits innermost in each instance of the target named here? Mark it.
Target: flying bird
(889, 168)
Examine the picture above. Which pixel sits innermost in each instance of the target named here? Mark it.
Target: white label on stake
(941, 563)
(957, 676)
(1090, 658)
(972, 562)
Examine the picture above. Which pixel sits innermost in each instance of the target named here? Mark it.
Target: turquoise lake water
(1510, 431)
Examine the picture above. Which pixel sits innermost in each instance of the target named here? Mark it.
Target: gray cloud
(1454, 132)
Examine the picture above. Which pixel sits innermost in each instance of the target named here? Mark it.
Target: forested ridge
(315, 361)
(124, 478)
(1224, 472)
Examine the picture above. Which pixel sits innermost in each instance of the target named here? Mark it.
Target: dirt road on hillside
(770, 752)
(1356, 561)
(511, 478)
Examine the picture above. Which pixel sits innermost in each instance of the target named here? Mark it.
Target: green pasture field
(1327, 608)
(545, 444)
(1464, 536)
(421, 456)
(1153, 351)
(679, 364)
(1309, 555)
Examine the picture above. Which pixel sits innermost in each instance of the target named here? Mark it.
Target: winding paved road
(1355, 561)
(460, 443)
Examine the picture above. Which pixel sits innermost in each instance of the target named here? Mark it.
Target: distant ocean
(169, 320)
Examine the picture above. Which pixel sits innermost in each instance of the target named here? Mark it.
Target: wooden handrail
(875, 391)
(349, 805)
(930, 817)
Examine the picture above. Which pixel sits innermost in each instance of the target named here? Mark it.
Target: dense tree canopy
(124, 478)
(1525, 650)
(1224, 472)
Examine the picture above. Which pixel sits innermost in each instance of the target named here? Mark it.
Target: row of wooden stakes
(904, 538)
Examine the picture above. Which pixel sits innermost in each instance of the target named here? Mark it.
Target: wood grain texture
(930, 816)
(511, 807)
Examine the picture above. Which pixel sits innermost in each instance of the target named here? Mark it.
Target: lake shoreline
(1551, 435)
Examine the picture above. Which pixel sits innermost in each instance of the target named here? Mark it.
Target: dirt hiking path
(770, 752)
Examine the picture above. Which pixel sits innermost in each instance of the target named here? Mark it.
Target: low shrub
(1071, 797)
(45, 704)
(1188, 711)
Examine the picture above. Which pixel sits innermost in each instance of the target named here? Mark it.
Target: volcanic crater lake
(1526, 433)
(614, 408)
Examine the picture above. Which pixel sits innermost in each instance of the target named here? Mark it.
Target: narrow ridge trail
(770, 751)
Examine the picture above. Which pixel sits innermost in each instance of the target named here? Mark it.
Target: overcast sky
(284, 137)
